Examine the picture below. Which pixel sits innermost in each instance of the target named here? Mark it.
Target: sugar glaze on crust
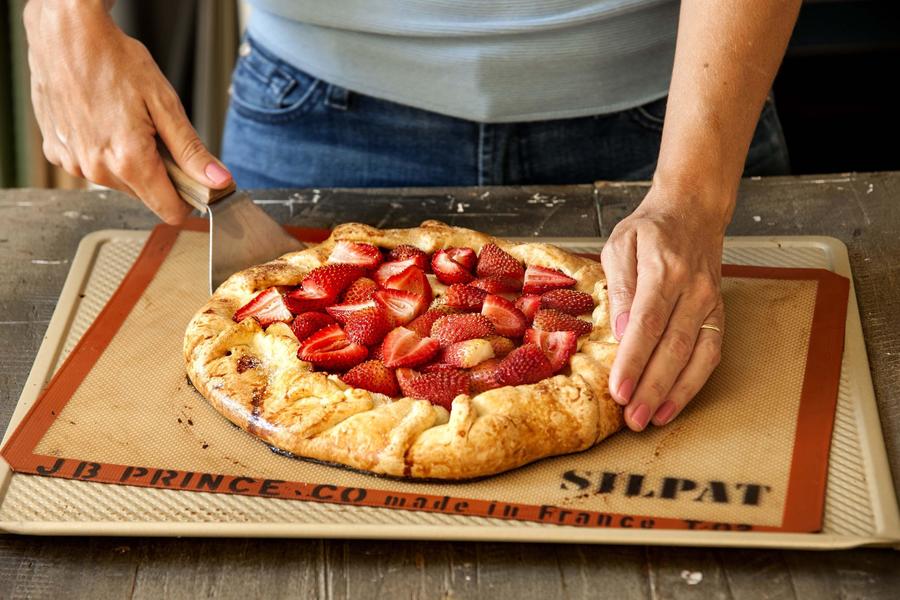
(254, 378)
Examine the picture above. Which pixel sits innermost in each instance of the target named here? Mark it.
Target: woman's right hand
(100, 102)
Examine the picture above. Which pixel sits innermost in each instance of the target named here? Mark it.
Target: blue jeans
(286, 128)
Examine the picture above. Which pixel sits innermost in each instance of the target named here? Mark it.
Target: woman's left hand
(663, 268)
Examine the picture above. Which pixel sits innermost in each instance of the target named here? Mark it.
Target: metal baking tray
(860, 508)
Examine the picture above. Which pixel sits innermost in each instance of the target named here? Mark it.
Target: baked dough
(254, 378)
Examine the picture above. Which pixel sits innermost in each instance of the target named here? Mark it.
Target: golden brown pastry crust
(254, 378)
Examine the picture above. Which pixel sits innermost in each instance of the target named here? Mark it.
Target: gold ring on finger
(711, 327)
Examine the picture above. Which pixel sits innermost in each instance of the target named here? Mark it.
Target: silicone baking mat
(646, 482)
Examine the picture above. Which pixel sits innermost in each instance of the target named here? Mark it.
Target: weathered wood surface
(40, 230)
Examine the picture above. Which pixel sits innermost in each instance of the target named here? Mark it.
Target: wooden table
(40, 230)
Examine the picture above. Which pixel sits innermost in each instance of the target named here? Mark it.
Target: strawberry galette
(433, 352)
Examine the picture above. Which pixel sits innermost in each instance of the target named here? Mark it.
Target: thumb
(185, 146)
(620, 266)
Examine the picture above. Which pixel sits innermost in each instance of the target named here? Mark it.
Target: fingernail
(641, 416)
(216, 173)
(664, 413)
(624, 392)
(621, 322)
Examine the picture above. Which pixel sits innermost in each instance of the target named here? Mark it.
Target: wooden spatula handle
(193, 192)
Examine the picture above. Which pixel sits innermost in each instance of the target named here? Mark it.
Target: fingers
(181, 139)
(672, 353)
(650, 311)
(620, 268)
(704, 360)
(146, 175)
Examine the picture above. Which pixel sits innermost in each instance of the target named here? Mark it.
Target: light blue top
(482, 60)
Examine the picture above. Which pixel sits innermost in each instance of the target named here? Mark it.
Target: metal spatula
(241, 234)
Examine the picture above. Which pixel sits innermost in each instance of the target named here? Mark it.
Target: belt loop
(337, 97)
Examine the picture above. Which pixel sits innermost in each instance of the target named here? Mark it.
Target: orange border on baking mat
(804, 502)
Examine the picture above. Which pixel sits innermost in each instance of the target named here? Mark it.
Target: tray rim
(884, 501)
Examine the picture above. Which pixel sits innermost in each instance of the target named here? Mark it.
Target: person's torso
(489, 60)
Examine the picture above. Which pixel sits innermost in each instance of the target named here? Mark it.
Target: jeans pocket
(651, 115)
(265, 89)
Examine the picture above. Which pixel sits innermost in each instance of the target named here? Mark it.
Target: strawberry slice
(359, 291)
(389, 269)
(453, 265)
(438, 387)
(540, 279)
(412, 280)
(549, 319)
(570, 302)
(496, 262)
(366, 256)
(529, 304)
(372, 375)
(508, 320)
(464, 297)
(303, 300)
(330, 349)
(437, 366)
(497, 285)
(401, 307)
(405, 251)
(306, 324)
(405, 348)
(526, 364)
(484, 376)
(450, 329)
(331, 280)
(501, 345)
(558, 346)
(342, 311)
(467, 354)
(368, 326)
(267, 307)
(422, 324)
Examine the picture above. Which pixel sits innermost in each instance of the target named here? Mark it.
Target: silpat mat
(750, 453)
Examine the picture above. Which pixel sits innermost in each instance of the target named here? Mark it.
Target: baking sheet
(855, 508)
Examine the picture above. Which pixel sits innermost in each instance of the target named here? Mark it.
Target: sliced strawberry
(501, 345)
(540, 279)
(484, 376)
(330, 349)
(497, 285)
(549, 319)
(402, 307)
(332, 279)
(437, 366)
(467, 354)
(568, 301)
(377, 353)
(508, 320)
(422, 324)
(453, 265)
(405, 377)
(526, 364)
(405, 348)
(450, 329)
(368, 326)
(267, 307)
(304, 300)
(496, 262)
(529, 304)
(464, 297)
(359, 291)
(389, 269)
(306, 324)
(405, 251)
(559, 346)
(438, 387)
(366, 256)
(412, 280)
(342, 311)
(372, 375)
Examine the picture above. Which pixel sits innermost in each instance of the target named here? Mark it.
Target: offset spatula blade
(241, 234)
